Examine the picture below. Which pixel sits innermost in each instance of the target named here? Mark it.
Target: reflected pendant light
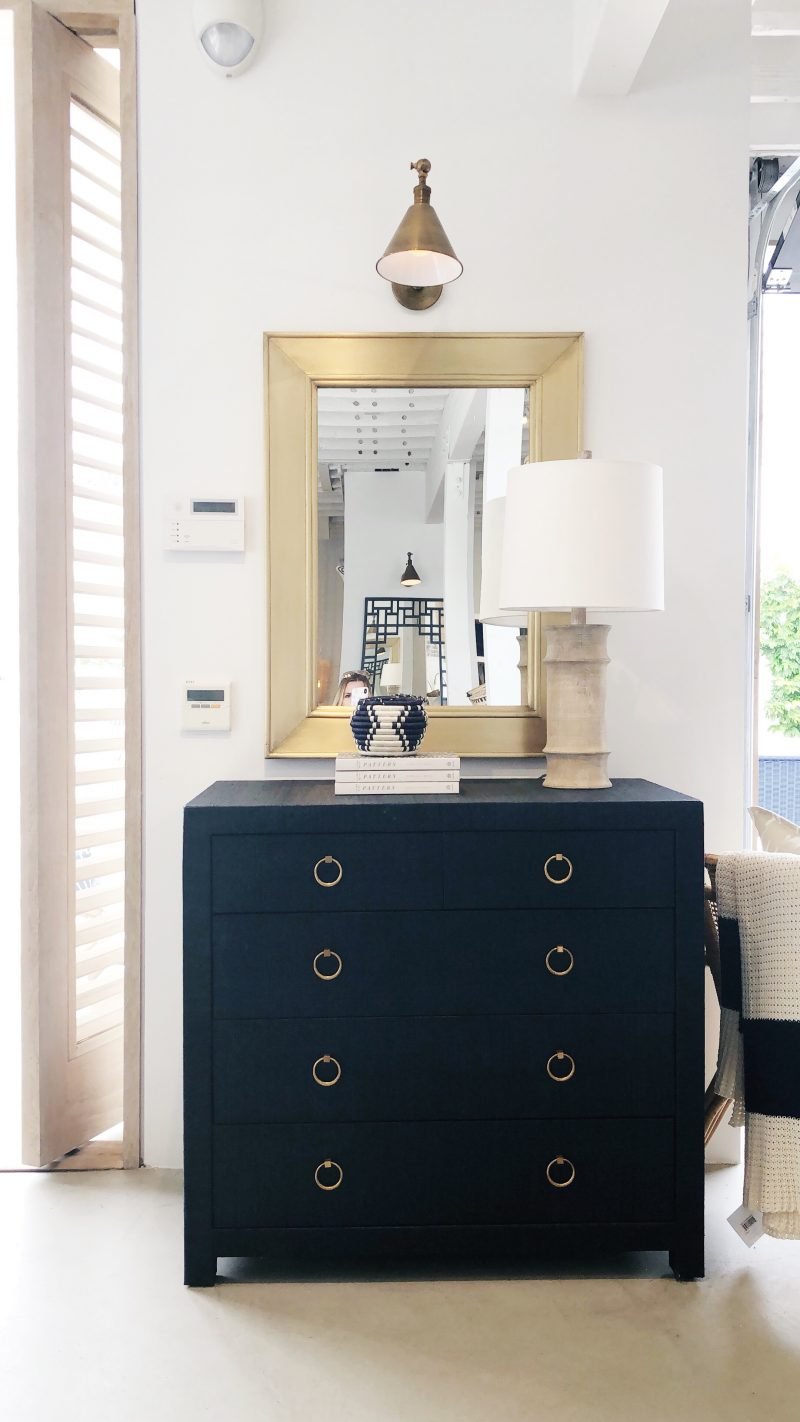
(419, 259)
(410, 577)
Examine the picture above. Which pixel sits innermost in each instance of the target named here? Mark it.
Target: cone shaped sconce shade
(419, 259)
(410, 577)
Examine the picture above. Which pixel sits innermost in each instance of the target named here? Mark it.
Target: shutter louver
(97, 651)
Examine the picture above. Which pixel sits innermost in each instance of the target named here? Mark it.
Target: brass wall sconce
(419, 259)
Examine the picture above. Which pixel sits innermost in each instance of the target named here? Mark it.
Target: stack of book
(397, 774)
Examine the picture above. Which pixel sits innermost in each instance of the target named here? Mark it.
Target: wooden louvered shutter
(72, 596)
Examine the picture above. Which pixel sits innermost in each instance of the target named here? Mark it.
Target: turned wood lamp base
(577, 661)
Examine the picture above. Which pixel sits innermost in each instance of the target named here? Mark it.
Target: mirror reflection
(409, 501)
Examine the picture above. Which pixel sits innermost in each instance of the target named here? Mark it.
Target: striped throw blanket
(758, 899)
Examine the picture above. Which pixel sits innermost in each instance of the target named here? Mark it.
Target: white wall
(503, 450)
(384, 518)
(264, 203)
(331, 602)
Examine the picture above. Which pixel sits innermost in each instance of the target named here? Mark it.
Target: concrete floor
(95, 1324)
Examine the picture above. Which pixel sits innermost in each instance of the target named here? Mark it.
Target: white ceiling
(775, 78)
(365, 428)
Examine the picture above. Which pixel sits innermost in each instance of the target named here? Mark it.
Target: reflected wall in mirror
(404, 475)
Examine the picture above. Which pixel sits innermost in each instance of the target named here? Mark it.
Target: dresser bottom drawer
(443, 1173)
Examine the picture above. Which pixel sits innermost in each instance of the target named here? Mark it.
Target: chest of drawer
(443, 1172)
(439, 1068)
(564, 869)
(330, 872)
(365, 964)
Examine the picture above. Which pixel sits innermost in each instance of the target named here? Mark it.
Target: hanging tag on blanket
(748, 1224)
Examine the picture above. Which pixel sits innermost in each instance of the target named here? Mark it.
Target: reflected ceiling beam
(610, 41)
(330, 498)
(460, 427)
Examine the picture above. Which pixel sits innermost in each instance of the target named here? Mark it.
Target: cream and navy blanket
(758, 900)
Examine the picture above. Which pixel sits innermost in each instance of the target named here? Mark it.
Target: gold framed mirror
(298, 369)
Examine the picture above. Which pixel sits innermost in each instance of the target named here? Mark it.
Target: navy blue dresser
(448, 1028)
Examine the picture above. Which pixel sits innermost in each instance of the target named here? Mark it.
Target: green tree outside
(780, 644)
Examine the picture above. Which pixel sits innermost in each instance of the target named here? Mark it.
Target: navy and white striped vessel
(389, 725)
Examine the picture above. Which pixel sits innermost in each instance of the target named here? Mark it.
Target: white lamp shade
(493, 519)
(583, 533)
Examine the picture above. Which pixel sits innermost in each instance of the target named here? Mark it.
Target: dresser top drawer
(336, 872)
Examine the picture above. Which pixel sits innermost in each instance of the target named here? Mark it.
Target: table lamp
(494, 517)
(581, 534)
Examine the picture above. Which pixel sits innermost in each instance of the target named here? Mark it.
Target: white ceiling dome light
(228, 32)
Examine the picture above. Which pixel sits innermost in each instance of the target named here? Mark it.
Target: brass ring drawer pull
(327, 883)
(560, 1184)
(569, 1063)
(569, 959)
(558, 859)
(328, 1165)
(325, 1061)
(328, 953)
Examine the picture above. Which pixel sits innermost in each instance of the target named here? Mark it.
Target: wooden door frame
(109, 23)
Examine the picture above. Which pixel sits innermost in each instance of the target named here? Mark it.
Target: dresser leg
(687, 1262)
(200, 1267)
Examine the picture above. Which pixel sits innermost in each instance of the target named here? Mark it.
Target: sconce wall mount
(419, 260)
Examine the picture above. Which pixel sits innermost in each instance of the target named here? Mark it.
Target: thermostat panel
(206, 706)
(205, 525)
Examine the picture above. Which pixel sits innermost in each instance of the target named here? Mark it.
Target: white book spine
(426, 787)
(398, 762)
(394, 777)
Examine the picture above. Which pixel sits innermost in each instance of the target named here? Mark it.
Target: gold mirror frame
(294, 366)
